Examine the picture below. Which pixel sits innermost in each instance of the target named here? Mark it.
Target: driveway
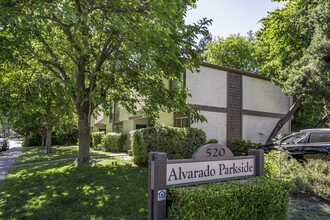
(7, 159)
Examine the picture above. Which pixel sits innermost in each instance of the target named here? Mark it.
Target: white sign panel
(184, 173)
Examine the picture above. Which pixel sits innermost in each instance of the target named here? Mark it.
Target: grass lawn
(111, 188)
(37, 154)
(304, 207)
(107, 188)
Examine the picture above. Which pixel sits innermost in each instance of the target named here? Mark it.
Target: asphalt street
(7, 158)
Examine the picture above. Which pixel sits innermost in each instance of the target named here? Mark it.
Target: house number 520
(215, 152)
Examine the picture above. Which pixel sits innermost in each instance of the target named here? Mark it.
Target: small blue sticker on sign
(161, 195)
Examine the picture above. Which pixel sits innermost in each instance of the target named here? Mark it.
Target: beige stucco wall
(123, 114)
(166, 118)
(99, 117)
(108, 127)
(208, 87)
(94, 129)
(257, 129)
(262, 95)
(215, 127)
(128, 126)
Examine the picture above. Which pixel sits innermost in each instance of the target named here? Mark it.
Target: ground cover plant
(106, 189)
(314, 178)
(37, 154)
(305, 207)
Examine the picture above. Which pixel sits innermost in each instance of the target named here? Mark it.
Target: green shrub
(280, 164)
(32, 140)
(241, 147)
(253, 198)
(113, 142)
(178, 143)
(213, 141)
(314, 178)
(66, 138)
(96, 139)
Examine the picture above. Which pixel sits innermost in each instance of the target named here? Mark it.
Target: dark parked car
(304, 144)
(4, 144)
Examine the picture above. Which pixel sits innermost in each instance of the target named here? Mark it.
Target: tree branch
(295, 106)
(51, 53)
(324, 119)
(44, 62)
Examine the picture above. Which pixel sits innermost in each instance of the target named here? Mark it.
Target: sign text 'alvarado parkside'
(183, 173)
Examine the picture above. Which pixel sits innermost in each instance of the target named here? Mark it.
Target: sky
(232, 16)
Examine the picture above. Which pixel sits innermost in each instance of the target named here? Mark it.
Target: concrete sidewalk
(8, 158)
(73, 158)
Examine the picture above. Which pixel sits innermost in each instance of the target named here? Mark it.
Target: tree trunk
(84, 134)
(322, 121)
(48, 140)
(283, 120)
(42, 140)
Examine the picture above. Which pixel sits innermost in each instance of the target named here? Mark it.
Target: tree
(46, 96)
(35, 106)
(235, 51)
(299, 40)
(105, 51)
(204, 40)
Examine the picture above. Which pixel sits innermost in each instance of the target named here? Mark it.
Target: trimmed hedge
(253, 198)
(66, 138)
(96, 139)
(113, 142)
(62, 138)
(242, 147)
(32, 140)
(178, 143)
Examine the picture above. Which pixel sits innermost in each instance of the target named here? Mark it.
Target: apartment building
(236, 104)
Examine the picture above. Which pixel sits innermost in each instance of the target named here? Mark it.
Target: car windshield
(294, 139)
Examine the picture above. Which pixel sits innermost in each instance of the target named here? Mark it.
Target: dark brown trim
(262, 114)
(210, 108)
(234, 107)
(235, 71)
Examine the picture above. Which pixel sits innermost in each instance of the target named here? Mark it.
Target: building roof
(232, 70)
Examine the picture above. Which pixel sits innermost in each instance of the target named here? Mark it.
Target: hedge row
(110, 142)
(64, 138)
(113, 142)
(178, 143)
(96, 139)
(253, 198)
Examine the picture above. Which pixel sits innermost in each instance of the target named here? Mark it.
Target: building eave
(232, 70)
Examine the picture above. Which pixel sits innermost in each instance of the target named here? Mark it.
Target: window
(319, 137)
(295, 139)
(180, 120)
(174, 84)
(117, 127)
(137, 127)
